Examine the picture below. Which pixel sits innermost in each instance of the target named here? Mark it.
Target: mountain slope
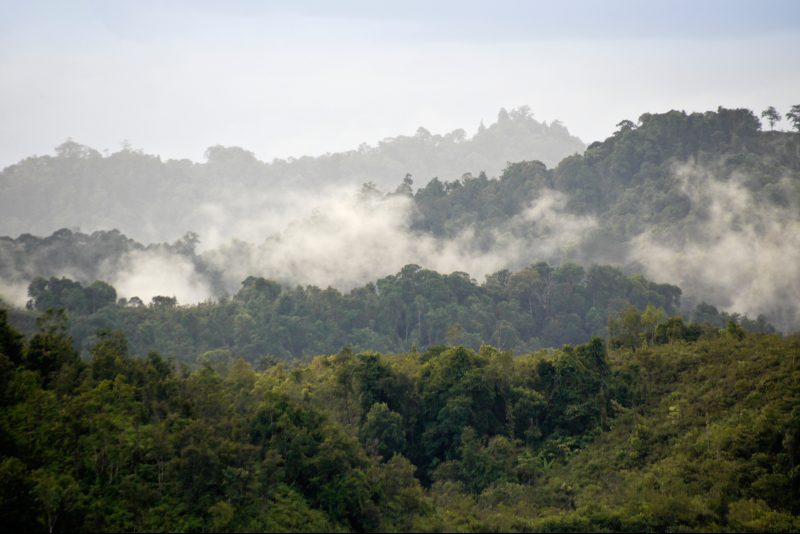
(154, 200)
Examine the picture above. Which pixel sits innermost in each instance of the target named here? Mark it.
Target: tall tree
(772, 116)
(793, 116)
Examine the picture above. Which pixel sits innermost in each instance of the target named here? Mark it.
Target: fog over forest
(232, 194)
(509, 266)
(716, 216)
(323, 221)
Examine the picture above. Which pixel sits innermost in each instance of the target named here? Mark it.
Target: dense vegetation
(629, 180)
(537, 306)
(672, 196)
(646, 194)
(422, 401)
(683, 428)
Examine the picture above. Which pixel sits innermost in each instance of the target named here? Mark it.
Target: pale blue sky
(287, 79)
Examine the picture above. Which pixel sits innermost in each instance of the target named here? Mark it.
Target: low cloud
(737, 249)
(337, 237)
(148, 273)
(350, 240)
(13, 292)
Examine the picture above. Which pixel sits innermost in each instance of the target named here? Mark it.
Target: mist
(354, 238)
(735, 249)
(723, 227)
(147, 274)
(342, 237)
(233, 193)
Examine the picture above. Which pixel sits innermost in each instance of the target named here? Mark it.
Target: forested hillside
(154, 200)
(671, 432)
(284, 266)
(630, 179)
(682, 197)
(705, 201)
(557, 394)
(539, 306)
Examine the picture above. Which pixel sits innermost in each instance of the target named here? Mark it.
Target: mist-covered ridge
(705, 201)
(233, 194)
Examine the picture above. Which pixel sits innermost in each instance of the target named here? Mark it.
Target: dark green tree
(772, 116)
(383, 431)
(793, 116)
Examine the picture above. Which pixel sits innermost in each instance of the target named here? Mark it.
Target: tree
(51, 348)
(10, 339)
(624, 330)
(56, 493)
(793, 116)
(100, 294)
(651, 317)
(735, 330)
(526, 285)
(160, 301)
(772, 116)
(454, 333)
(109, 355)
(405, 188)
(71, 149)
(624, 126)
(57, 293)
(383, 431)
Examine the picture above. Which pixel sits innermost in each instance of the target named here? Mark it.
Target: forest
(128, 186)
(539, 306)
(601, 345)
(410, 266)
(679, 428)
(677, 197)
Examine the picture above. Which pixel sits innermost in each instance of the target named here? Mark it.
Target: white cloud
(349, 241)
(150, 273)
(742, 252)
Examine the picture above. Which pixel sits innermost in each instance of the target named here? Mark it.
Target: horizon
(294, 80)
(125, 144)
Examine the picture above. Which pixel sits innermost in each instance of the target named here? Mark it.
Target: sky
(305, 78)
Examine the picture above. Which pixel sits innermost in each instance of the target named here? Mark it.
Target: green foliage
(688, 433)
(69, 295)
(10, 339)
(383, 431)
(628, 184)
(676, 425)
(539, 305)
(625, 330)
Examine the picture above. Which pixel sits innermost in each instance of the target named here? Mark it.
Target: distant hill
(154, 200)
(705, 201)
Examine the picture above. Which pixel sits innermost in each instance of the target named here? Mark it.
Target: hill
(665, 435)
(155, 201)
(705, 201)
(538, 306)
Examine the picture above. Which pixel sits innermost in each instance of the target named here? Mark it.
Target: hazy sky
(295, 78)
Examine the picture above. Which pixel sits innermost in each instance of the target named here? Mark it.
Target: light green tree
(56, 493)
(651, 317)
(625, 329)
